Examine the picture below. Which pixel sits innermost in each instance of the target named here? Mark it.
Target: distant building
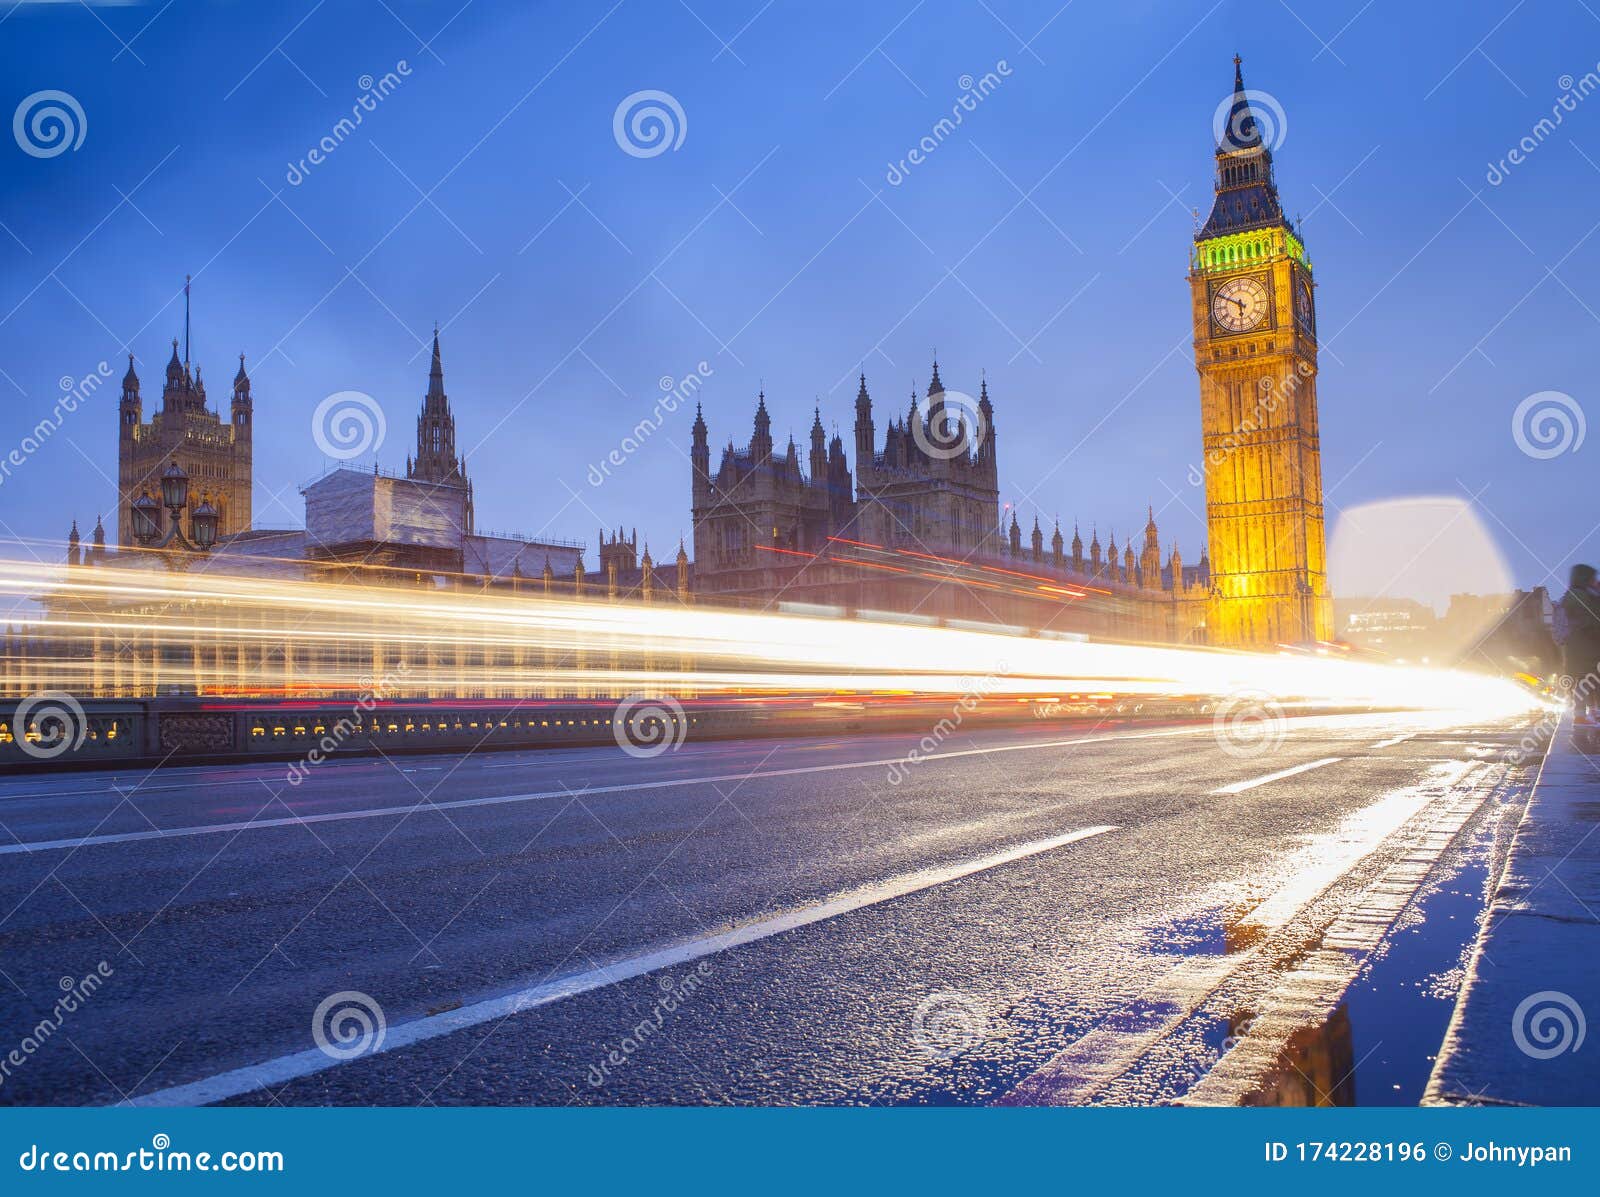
(917, 530)
(357, 521)
(1399, 628)
(1508, 633)
(216, 454)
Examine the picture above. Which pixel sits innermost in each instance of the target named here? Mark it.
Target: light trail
(116, 632)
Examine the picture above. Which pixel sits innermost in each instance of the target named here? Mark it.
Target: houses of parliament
(919, 528)
(913, 527)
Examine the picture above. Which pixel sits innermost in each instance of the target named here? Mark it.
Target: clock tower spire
(1255, 344)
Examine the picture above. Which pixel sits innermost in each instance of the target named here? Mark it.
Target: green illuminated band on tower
(1240, 249)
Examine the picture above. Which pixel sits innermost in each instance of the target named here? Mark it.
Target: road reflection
(1315, 1068)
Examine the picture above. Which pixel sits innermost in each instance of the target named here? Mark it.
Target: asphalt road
(1046, 913)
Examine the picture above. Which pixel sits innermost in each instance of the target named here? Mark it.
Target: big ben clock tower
(1255, 348)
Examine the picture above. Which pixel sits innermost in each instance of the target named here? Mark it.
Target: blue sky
(571, 275)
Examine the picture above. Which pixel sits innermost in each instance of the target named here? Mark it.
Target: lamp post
(203, 525)
(147, 529)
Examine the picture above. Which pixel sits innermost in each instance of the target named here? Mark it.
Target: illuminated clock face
(1239, 305)
(1302, 302)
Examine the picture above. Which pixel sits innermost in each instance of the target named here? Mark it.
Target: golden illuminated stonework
(1255, 346)
(215, 453)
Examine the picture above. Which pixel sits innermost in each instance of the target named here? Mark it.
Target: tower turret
(177, 395)
(1150, 558)
(937, 412)
(175, 371)
(761, 437)
(911, 443)
(985, 434)
(435, 459)
(131, 410)
(243, 408)
(819, 450)
(865, 434)
(700, 458)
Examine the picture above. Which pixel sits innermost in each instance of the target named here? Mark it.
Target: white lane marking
(610, 754)
(282, 1069)
(1393, 740)
(383, 812)
(115, 786)
(1240, 787)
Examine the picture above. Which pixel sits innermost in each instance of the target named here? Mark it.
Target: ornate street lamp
(146, 519)
(203, 524)
(174, 487)
(174, 497)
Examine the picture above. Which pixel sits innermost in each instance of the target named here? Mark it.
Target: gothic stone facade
(215, 454)
(917, 530)
(1255, 346)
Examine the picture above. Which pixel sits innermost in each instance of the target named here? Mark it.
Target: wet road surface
(1052, 913)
